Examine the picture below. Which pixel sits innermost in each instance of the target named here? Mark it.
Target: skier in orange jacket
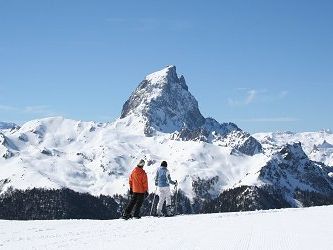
(138, 183)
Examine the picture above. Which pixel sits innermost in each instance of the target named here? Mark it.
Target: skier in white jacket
(163, 181)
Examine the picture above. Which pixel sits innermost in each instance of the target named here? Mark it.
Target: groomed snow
(300, 228)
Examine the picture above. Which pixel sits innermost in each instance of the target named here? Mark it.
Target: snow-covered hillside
(161, 120)
(97, 158)
(309, 228)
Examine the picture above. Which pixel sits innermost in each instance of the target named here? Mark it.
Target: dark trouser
(136, 203)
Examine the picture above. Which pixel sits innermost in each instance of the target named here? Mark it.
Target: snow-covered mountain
(163, 103)
(161, 120)
(291, 169)
(317, 145)
(8, 125)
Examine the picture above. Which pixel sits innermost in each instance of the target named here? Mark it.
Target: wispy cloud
(39, 109)
(283, 94)
(251, 95)
(247, 98)
(271, 119)
(6, 108)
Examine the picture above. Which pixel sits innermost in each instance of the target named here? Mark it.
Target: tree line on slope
(42, 204)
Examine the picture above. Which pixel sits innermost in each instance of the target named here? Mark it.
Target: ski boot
(169, 211)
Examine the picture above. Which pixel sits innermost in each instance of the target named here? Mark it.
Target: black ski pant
(135, 203)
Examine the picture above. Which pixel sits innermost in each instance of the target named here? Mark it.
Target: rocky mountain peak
(167, 75)
(8, 125)
(325, 145)
(162, 101)
(293, 151)
(291, 169)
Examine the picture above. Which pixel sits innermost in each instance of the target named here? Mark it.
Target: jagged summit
(325, 145)
(162, 101)
(166, 76)
(292, 151)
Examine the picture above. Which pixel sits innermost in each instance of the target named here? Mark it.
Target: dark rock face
(6, 146)
(8, 125)
(242, 142)
(3, 140)
(250, 146)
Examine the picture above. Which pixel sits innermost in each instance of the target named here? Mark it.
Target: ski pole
(176, 186)
(152, 205)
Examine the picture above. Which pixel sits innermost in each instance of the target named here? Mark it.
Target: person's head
(141, 163)
(164, 164)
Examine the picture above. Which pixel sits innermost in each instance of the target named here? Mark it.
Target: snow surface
(306, 228)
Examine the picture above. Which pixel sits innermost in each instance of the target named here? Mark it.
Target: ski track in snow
(300, 228)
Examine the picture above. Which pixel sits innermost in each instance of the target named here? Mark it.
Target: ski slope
(300, 228)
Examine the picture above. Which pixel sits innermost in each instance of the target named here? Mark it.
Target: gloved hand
(131, 191)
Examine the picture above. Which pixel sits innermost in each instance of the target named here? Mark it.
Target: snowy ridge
(317, 145)
(291, 169)
(8, 126)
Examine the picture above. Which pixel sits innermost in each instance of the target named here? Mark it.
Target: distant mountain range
(8, 125)
(219, 167)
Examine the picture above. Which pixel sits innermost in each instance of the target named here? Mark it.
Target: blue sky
(265, 65)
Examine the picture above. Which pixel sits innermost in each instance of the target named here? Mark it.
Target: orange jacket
(138, 181)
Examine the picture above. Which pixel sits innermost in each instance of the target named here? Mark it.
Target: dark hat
(141, 163)
(164, 164)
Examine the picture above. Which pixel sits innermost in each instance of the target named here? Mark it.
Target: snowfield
(298, 228)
